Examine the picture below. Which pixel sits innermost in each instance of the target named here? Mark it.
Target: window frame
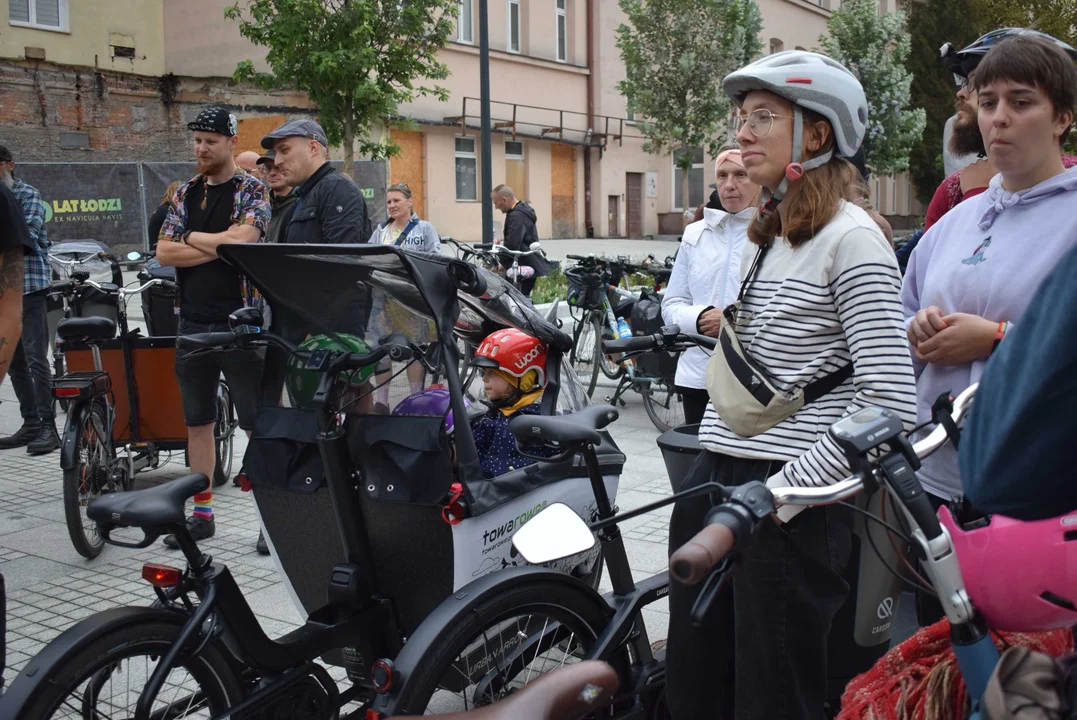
(461, 154)
(522, 154)
(509, 5)
(560, 15)
(63, 11)
(676, 185)
(470, 5)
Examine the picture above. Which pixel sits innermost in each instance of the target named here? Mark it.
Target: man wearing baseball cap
(220, 205)
(283, 198)
(330, 208)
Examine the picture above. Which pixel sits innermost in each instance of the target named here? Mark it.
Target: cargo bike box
(406, 468)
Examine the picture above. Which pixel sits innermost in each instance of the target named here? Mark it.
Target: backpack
(647, 320)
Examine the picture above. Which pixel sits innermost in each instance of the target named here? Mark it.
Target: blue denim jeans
(761, 653)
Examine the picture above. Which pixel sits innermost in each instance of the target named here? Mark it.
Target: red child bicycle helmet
(514, 352)
(1021, 576)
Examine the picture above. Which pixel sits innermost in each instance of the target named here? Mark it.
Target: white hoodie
(706, 274)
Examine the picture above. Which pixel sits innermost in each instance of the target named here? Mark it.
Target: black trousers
(31, 376)
(695, 404)
(761, 653)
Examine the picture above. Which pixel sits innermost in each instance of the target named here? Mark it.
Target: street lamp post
(484, 102)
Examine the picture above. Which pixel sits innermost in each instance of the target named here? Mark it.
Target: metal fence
(112, 202)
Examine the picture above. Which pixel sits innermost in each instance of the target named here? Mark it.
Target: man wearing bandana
(222, 204)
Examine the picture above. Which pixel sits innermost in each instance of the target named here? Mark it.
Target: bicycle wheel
(586, 346)
(506, 641)
(224, 435)
(609, 366)
(468, 372)
(105, 678)
(90, 478)
(664, 405)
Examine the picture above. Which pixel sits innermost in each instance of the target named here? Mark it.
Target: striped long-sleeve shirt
(811, 310)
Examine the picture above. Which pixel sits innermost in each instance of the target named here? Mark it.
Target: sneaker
(261, 546)
(381, 409)
(199, 527)
(47, 440)
(22, 437)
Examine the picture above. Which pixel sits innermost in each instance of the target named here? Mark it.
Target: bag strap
(404, 233)
(827, 384)
(753, 271)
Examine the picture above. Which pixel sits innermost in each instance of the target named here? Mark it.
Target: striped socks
(203, 505)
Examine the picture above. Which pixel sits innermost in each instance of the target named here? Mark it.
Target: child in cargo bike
(514, 374)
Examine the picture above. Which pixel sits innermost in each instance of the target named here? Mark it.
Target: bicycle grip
(643, 342)
(694, 560)
(206, 340)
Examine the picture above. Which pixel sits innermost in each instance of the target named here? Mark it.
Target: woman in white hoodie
(706, 276)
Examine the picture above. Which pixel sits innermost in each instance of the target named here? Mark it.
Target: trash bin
(680, 446)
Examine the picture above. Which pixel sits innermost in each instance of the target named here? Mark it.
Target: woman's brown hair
(170, 192)
(811, 202)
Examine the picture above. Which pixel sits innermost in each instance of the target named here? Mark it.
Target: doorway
(634, 205)
(563, 184)
(615, 214)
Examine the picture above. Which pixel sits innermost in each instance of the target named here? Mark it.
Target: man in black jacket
(330, 208)
(520, 233)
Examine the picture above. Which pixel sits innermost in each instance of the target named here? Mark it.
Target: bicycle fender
(69, 442)
(456, 607)
(42, 667)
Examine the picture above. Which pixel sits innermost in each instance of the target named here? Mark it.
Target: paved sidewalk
(50, 586)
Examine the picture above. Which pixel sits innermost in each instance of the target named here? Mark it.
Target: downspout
(588, 224)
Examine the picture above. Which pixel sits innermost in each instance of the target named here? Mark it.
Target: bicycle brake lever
(710, 590)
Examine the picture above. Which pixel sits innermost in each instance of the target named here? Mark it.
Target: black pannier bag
(647, 320)
(159, 302)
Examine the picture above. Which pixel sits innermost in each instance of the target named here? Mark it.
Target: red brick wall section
(127, 117)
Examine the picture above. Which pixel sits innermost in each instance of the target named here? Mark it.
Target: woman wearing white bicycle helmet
(819, 318)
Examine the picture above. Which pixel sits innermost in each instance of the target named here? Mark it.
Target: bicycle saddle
(579, 427)
(557, 696)
(156, 509)
(88, 328)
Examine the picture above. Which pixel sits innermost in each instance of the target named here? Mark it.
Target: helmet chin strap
(794, 170)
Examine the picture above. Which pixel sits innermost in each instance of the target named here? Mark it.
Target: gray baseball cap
(296, 128)
(267, 158)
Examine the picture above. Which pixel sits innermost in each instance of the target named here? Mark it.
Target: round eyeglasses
(759, 121)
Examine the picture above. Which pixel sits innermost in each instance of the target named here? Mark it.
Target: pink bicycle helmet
(1021, 576)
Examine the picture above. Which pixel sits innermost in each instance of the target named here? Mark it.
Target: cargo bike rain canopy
(372, 291)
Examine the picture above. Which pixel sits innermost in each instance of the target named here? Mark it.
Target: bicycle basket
(585, 289)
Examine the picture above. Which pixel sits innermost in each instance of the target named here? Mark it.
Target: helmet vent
(1057, 600)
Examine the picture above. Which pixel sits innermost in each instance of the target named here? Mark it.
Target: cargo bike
(122, 399)
(372, 519)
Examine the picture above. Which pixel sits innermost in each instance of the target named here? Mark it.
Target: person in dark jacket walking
(513, 374)
(520, 233)
(330, 208)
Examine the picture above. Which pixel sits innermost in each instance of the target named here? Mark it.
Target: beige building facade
(563, 136)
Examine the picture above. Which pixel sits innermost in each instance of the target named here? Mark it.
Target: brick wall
(127, 117)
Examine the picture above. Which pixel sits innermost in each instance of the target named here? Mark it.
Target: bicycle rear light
(161, 576)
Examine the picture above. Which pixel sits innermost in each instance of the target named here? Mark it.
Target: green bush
(550, 287)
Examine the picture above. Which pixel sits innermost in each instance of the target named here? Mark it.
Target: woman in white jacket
(706, 276)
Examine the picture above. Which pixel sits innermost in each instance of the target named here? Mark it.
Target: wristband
(999, 334)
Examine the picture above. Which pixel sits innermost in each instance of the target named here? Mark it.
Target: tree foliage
(876, 48)
(358, 60)
(676, 53)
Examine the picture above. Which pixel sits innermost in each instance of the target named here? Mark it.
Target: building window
(467, 169)
(513, 13)
(776, 46)
(696, 186)
(514, 150)
(464, 23)
(630, 111)
(41, 14)
(562, 31)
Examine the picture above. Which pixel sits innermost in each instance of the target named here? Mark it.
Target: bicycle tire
(81, 479)
(571, 606)
(116, 645)
(653, 406)
(610, 367)
(223, 443)
(588, 375)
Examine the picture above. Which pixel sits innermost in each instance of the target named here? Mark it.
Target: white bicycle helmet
(813, 81)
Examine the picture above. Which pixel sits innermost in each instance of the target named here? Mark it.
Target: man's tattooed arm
(11, 269)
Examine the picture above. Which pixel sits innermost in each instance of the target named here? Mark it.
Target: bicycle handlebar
(695, 560)
(350, 361)
(667, 339)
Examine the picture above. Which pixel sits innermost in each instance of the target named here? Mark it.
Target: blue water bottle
(623, 331)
